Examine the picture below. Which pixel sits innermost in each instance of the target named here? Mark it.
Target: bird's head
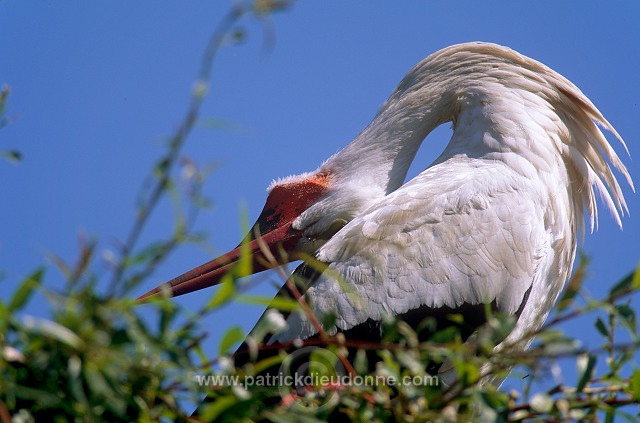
(301, 213)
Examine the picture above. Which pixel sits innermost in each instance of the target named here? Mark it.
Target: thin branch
(167, 163)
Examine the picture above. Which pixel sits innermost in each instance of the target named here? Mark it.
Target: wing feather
(462, 232)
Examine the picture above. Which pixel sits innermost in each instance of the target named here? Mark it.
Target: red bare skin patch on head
(288, 200)
(273, 230)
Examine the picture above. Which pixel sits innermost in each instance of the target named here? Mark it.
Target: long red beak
(271, 231)
(211, 273)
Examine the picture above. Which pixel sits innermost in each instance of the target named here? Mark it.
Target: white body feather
(496, 215)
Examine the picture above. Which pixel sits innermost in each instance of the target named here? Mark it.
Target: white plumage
(494, 219)
(495, 215)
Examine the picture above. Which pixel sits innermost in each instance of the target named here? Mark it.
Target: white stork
(495, 219)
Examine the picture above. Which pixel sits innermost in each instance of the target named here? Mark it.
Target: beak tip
(144, 298)
(153, 293)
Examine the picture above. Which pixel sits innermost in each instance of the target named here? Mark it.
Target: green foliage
(96, 358)
(13, 156)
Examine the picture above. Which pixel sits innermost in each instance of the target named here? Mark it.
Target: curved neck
(504, 106)
(380, 156)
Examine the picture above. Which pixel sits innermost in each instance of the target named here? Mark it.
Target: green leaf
(445, 335)
(161, 166)
(224, 294)
(245, 261)
(361, 363)
(408, 334)
(244, 265)
(587, 372)
(635, 281)
(25, 290)
(267, 363)
(13, 156)
(628, 316)
(629, 283)
(262, 7)
(40, 395)
(4, 317)
(4, 94)
(602, 328)
(609, 416)
(52, 330)
(323, 364)
(390, 366)
(100, 387)
(634, 384)
(211, 411)
(230, 338)
(167, 314)
(279, 303)
(469, 372)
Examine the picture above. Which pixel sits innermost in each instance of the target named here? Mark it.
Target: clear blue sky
(98, 86)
